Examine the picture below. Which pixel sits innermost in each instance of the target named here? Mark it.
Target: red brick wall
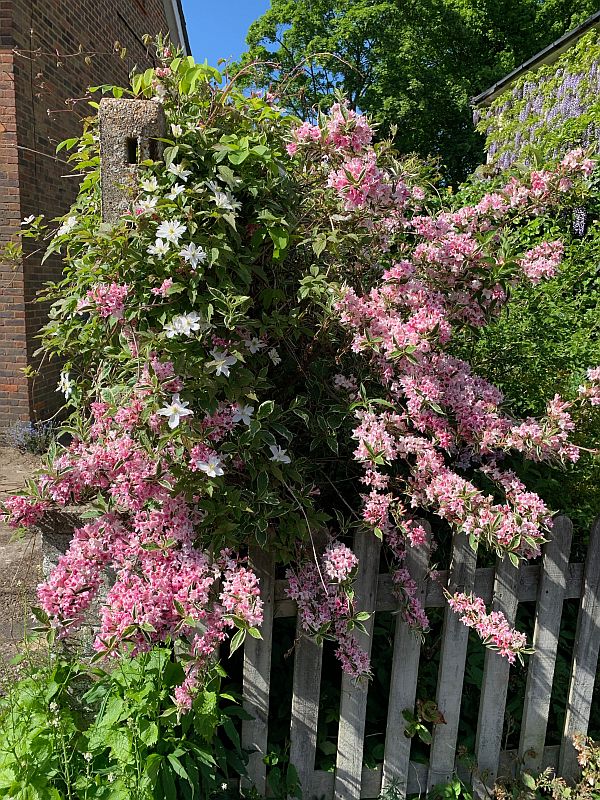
(14, 397)
(35, 85)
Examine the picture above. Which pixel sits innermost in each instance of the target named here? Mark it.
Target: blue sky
(217, 28)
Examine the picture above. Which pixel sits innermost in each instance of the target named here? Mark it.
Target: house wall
(50, 52)
(548, 110)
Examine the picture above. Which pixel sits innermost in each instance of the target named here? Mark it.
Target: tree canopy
(413, 65)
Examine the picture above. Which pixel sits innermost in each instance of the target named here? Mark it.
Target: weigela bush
(258, 351)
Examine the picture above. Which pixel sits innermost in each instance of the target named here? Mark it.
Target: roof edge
(176, 22)
(546, 56)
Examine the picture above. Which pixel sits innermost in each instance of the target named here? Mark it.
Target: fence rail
(548, 584)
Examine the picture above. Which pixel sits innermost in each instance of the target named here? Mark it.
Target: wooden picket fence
(547, 584)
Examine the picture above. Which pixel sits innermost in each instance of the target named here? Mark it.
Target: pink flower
(163, 289)
(109, 299)
(542, 261)
(493, 628)
(22, 511)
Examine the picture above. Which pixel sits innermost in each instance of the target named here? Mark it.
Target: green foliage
(426, 713)
(455, 789)
(552, 110)
(548, 785)
(68, 730)
(412, 66)
(258, 277)
(541, 344)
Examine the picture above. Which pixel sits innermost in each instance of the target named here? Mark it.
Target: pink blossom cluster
(339, 562)
(591, 389)
(443, 426)
(493, 628)
(23, 512)
(359, 181)
(406, 589)
(446, 418)
(325, 606)
(542, 261)
(109, 299)
(162, 586)
(344, 130)
(163, 289)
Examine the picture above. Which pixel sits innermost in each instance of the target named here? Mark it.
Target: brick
(32, 183)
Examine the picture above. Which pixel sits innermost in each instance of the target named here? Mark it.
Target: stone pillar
(129, 130)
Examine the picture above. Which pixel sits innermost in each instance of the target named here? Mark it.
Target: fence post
(308, 659)
(540, 670)
(452, 666)
(257, 674)
(403, 684)
(585, 658)
(353, 705)
(492, 704)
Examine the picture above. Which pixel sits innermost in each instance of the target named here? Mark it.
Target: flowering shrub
(201, 334)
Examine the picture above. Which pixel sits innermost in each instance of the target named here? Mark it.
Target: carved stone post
(128, 135)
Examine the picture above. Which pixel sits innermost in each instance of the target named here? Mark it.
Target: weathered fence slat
(308, 659)
(529, 578)
(585, 658)
(257, 673)
(353, 704)
(452, 666)
(403, 684)
(540, 671)
(550, 584)
(494, 687)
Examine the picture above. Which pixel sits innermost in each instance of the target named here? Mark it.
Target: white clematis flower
(274, 356)
(193, 254)
(243, 414)
(67, 226)
(175, 411)
(254, 345)
(279, 454)
(221, 362)
(149, 185)
(171, 229)
(226, 201)
(212, 467)
(159, 248)
(28, 220)
(145, 205)
(65, 385)
(185, 324)
(176, 190)
(179, 171)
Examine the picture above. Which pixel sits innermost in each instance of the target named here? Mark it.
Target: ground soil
(20, 559)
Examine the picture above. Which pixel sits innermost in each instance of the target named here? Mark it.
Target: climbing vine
(547, 111)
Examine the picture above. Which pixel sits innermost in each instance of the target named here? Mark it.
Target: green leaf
(178, 767)
(265, 409)
(528, 781)
(237, 640)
